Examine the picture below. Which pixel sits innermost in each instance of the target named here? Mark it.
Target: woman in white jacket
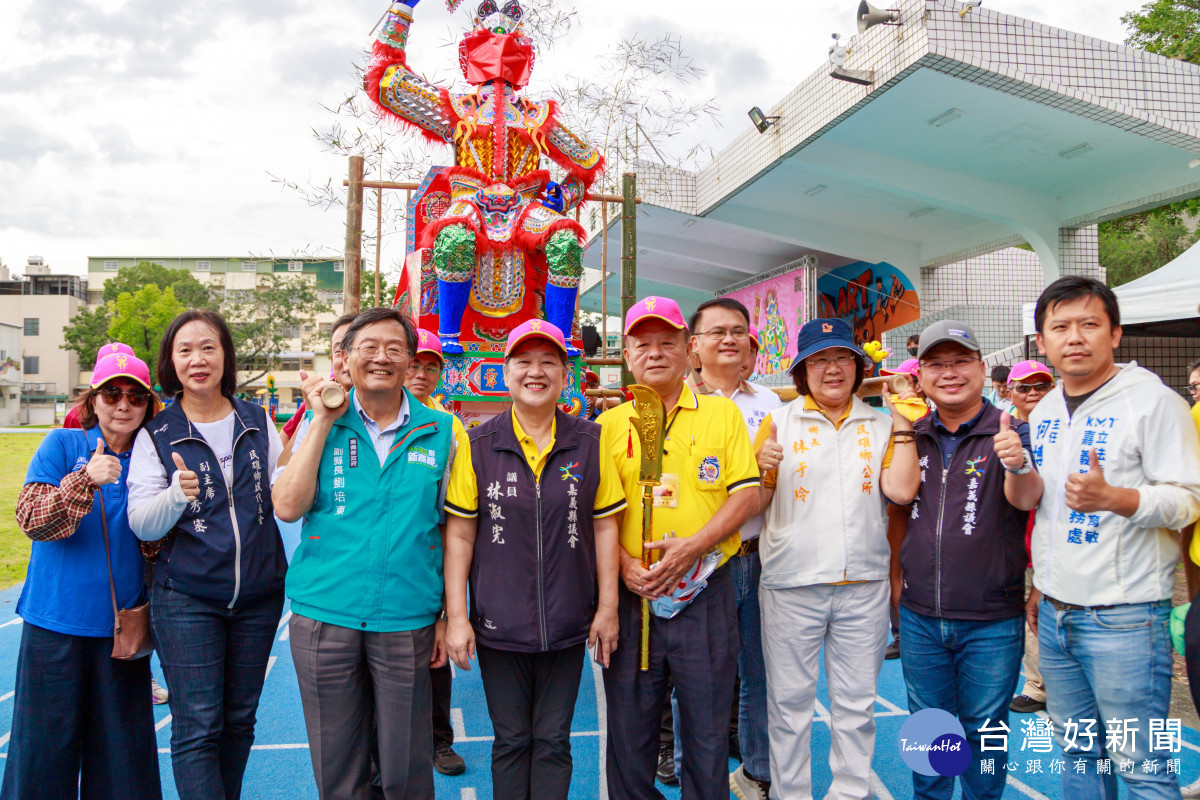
(824, 555)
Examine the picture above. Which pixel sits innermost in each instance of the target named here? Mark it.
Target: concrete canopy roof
(860, 171)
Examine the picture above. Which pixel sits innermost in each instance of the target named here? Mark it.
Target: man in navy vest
(958, 574)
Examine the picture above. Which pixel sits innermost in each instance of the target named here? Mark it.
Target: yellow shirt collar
(811, 405)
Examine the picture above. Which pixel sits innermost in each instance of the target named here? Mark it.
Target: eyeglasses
(430, 369)
(718, 334)
(1026, 388)
(369, 351)
(137, 398)
(959, 365)
(825, 362)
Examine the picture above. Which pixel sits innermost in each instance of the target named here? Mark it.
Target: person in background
(199, 480)
(750, 365)
(424, 372)
(911, 345)
(366, 583)
(721, 342)
(1028, 383)
(707, 466)
(997, 394)
(1119, 453)
(594, 406)
(897, 516)
(81, 719)
(291, 439)
(962, 626)
(542, 571)
(825, 558)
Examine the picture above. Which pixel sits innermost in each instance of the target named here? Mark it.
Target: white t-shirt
(155, 504)
(755, 406)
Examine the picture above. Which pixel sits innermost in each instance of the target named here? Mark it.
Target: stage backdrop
(872, 298)
(776, 308)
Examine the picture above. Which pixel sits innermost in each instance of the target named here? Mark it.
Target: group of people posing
(776, 531)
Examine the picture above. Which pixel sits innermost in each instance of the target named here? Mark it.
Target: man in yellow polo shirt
(698, 508)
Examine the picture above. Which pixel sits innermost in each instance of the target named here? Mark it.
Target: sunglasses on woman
(137, 397)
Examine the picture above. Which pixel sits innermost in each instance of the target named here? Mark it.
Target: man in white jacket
(1118, 452)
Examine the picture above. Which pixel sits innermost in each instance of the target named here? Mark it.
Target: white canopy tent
(1171, 292)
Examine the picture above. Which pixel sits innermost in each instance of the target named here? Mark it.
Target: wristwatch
(1026, 466)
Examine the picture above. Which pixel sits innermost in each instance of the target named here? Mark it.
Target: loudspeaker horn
(869, 16)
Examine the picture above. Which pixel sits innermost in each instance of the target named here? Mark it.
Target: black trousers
(443, 733)
(531, 700)
(698, 649)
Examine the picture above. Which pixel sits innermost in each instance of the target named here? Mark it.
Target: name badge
(666, 494)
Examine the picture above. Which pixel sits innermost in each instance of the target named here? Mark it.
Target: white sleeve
(274, 451)
(1170, 455)
(154, 505)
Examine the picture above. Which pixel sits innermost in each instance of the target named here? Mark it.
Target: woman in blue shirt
(82, 722)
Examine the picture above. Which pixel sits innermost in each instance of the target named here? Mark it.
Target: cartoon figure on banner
(506, 218)
(872, 298)
(774, 336)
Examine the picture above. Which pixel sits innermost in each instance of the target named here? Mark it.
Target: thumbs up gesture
(770, 453)
(1008, 445)
(188, 480)
(1088, 492)
(103, 469)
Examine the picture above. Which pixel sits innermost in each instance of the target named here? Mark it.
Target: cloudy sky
(153, 128)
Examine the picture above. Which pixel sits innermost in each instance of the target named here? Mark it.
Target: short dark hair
(1000, 373)
(344, 319)
(913, 338)
(1075, 287)
(168, 380)
(719, 302)
(800, 375)
(87, 406)
(381, 314)
(1193, 366)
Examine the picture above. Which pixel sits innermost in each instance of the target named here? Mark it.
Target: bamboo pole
(604, 279)
(352, 276)
(628, 255)
(378, 237)
(385, 184)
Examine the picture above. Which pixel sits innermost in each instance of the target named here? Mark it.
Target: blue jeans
(82, 724)
(215, 661)
(1110, 664)
(969, 669)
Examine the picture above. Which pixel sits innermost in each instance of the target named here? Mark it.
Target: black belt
(749, 546)
(1061, 606)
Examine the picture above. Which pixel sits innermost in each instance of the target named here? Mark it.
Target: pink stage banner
(776, 308)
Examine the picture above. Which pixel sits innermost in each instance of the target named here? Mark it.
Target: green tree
(1168, 27)
(139, 319)
(89, 329)
(366, 295)
(265, 321)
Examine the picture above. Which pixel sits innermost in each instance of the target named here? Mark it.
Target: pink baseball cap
(661, 308)
(754, 337)
(121, 365)
(907, 367)
(1026, 369)
(113, 347)
(535, 329)
(429, 343)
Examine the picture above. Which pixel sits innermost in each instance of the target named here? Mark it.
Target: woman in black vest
(542, 569)
(199, 483)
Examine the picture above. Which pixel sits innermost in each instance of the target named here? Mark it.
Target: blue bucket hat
(821, 334)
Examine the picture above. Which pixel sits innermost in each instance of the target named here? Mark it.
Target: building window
(203, 266)
(325, 329)
(158, 262)
(306, 364)
(339, 266)
(291, 333)
(249, 266)
(112, 265)
(31, 326)
(31, 365)
(295, 266)
(289, 363)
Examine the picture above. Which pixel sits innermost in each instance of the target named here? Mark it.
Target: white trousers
(851, 621)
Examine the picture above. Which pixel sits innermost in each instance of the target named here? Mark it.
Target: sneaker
(1192, 789)
(747, 788)
(446, 761)
(158, 695)
(666, 765)
(1023, 704)
(893, 649)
